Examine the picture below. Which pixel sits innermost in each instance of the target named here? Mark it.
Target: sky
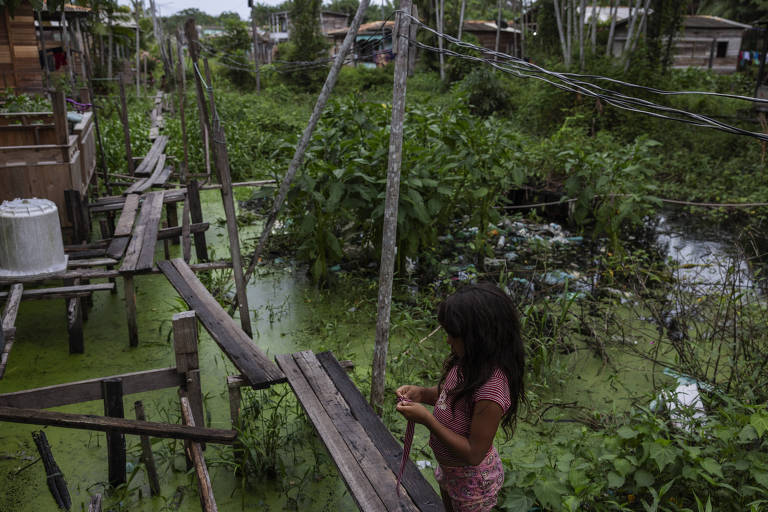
(168, 7)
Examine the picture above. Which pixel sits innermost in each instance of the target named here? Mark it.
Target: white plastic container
(30, 239)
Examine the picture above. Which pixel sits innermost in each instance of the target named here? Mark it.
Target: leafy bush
(484, 92)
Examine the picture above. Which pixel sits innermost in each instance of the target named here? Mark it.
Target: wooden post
(227, 197)
(75, 325)
(55, 479)
(196, 214)
(440, 28)
(126, 126)
(182, 97)
(256, 51)
(146, 454)
(106, 234)
(712, 53)
(190, 31)
(113, 407)
(389, 239)
(235, 401)
(42, 47)
(187, 362)
(195, 453)
(95, 503)
(60, 118)
(186, 248)
(301, 147)
(65, 38)
(138, 50)
(172, 216)
(413, 50)
(130, 309)
(166, 244)
(102, 154)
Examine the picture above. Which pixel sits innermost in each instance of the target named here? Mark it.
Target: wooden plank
(87, 390)
(163, 178)
(347, 462)
(91, 262)
(240, 349)
(112, 204)
(186, 242)
(371, 461)
(147, 256)
(117, 247)
(61, 292)
(195, 453)
(150, 160)
(414, 483)
(110, 274)
(127, 216)
(187, 361)
(11, 309)
(144, 184)
(86, 254)
(138, 257)
(126, 426)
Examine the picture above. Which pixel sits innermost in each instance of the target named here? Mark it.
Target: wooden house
(280, 24)
(485, 32)
(45, 155)
(20, 67)
(707, 42)
(373, 44)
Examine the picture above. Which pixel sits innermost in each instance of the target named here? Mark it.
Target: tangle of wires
(577, 83)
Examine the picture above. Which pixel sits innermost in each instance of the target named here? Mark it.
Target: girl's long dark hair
(487, 321)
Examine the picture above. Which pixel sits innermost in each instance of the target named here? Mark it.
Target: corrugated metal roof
(366, 28)
(486, 26)
(701, 21)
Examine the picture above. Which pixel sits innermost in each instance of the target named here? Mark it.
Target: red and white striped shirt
(459, 417)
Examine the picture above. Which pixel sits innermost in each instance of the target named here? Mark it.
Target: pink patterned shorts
(473, 488)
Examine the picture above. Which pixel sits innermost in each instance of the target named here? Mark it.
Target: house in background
(280, 24)
(22, 40)
(373, 44)
(485, 32)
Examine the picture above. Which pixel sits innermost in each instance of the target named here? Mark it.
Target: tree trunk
(498, 30)
(256, 52)
(461, 18)
(631, 29)
(441, 17)
(593, 33)
(609, 45)
(561, 32)
(582, 8)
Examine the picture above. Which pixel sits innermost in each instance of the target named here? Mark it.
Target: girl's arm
(418, 394)
(485, 421)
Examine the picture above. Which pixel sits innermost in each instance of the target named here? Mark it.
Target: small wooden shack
(706, 42)
(41, 156)
(485, 32)
(20, 67)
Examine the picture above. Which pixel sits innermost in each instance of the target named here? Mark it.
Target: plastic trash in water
(494, 263)
(556, 277)
(502, 241)
(335, 268)
(424, 464)
(683, 403)
(511, 256)
(410, 265)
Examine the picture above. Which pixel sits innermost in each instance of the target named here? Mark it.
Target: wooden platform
(141, 250)
(149, 162)
(364, 451)
(241, 350)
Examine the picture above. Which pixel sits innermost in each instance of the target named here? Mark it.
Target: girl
(480, 388)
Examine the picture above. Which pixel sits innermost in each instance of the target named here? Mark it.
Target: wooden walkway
(364, 451)
(239, 347)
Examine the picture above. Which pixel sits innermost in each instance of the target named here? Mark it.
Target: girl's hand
(415, 412)
(412, 393)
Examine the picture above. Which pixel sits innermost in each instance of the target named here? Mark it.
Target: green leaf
(747, 434)
(712, 467)
(643, 478)
(549, 491)
(759, 420)
(623, 466)
(517, 501)
(480, 192)
(615, 480)
(690, 473)
(661, 452)
(627, 432)
(760, 477)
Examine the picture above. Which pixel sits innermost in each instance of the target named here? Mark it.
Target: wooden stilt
(146, 454)
(126, 126)
(106, 234)
(166, 244)
(172, 215)
(235, 401)
(186, 246)
(113, 406)
(75, 326)
(130, 309)
(195, 452)
(187, 361)
(95, 504)
(196, 214)
(55, 479)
